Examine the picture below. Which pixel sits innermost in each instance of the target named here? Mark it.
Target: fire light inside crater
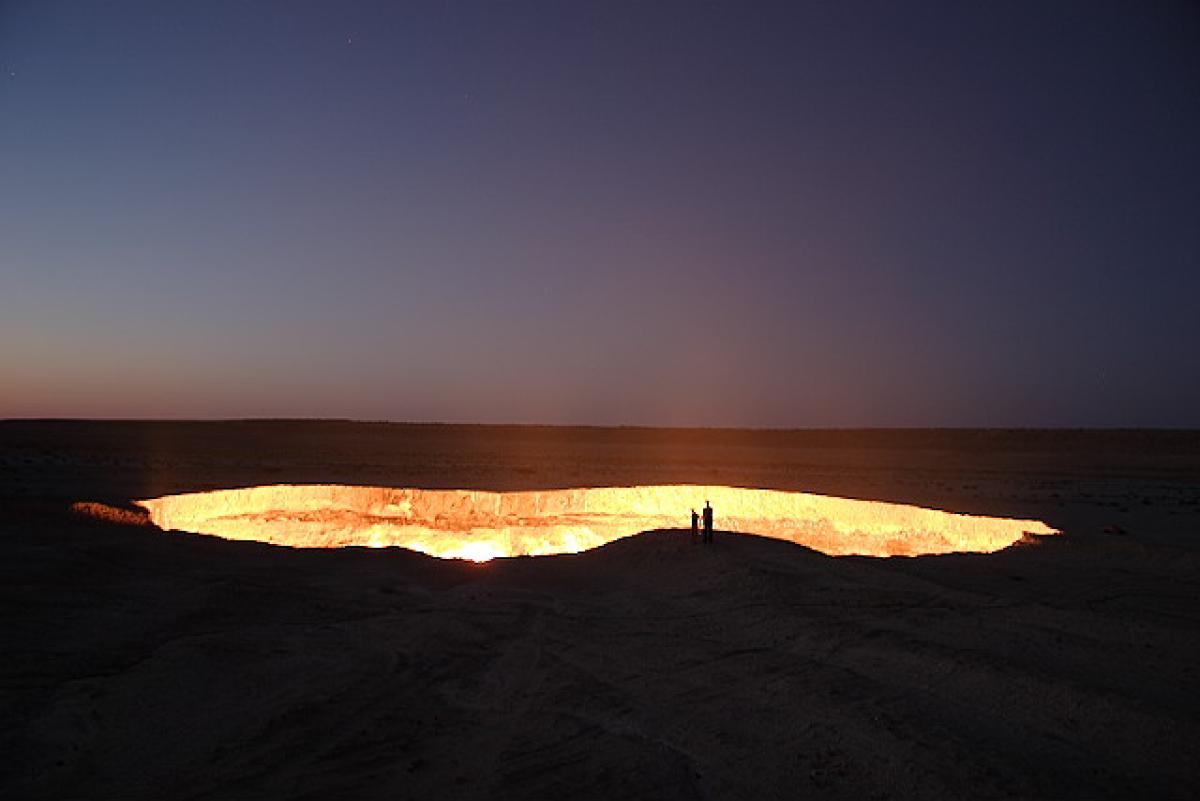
(479, 526)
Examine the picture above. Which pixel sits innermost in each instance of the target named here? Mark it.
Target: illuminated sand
(137, 664)
(482, 525)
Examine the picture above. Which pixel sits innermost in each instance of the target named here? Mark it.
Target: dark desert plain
(142, 664)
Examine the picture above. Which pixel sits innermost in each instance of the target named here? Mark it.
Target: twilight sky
(715, 213)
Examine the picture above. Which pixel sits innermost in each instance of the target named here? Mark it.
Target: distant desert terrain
(138, 663)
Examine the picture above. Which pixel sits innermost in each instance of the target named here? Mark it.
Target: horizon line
(611, 426)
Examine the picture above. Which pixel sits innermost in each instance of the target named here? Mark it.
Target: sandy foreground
(140, 664)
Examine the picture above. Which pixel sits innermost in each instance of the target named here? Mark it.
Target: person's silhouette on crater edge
(695, 526)
(708, 522)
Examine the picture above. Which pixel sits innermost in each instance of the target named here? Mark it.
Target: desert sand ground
(141, 664)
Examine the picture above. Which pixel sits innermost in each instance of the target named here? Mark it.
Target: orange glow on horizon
(479, 526)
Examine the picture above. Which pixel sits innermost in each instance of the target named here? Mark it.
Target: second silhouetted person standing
(708, 522)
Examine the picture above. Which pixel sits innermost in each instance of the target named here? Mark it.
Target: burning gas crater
(465, 524)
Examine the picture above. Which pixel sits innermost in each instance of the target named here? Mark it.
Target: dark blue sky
(792, 214)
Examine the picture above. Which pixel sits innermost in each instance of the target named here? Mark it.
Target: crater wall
(482, 525)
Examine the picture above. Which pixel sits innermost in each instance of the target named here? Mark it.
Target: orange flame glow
(468, 524)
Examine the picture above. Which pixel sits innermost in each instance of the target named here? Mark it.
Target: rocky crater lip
(480, 525)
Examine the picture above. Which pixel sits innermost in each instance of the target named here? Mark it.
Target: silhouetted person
(708, 522)
(695, 526)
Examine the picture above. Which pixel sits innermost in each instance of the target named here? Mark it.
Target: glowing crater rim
(480, 525)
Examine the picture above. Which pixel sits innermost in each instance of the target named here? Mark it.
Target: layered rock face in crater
(478, 525)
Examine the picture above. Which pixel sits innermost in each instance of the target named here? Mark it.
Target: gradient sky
(763, 214)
